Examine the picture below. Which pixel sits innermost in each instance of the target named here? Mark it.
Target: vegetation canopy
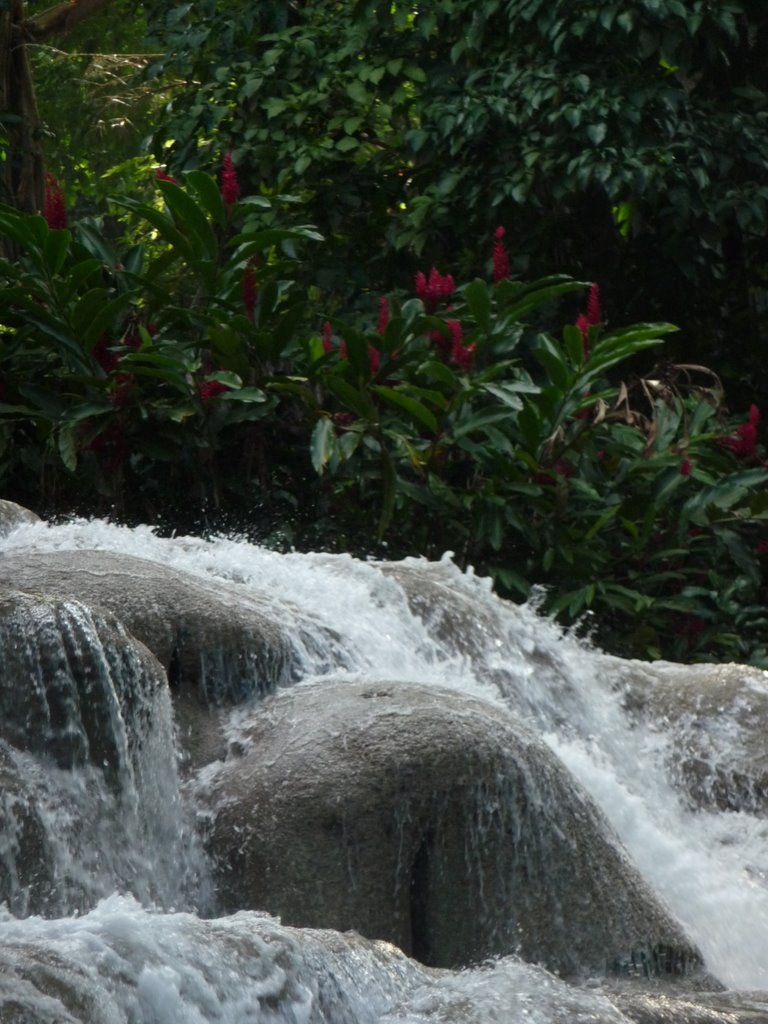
(344, 290)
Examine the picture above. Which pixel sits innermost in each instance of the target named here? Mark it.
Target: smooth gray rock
(75, 687)
(13, 515)
(433, 820)
(715, 717)
(216, 638)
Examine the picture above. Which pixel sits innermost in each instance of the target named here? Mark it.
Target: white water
(710, 868)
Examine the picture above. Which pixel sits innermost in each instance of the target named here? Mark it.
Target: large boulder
(75, 687)
(13, 516)
(89, 791)
(433, 820)
(715, 717)
(219, 639)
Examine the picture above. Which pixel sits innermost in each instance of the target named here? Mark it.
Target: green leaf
(190, 219)
(415, 410)
(322, 444)
(479, 301)
(209, 194)
(56, 250)
(67, 446)
(550, 356)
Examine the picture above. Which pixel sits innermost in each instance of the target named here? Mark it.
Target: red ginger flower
(327, 344)
(383, 316)
(208, 389)
(250, 291)
(463, 355)
(594, 313)
(229, 184)
(744, 443)
(500, 258)
(54, 210)
(686, 467)
(162, 175)
(434, 289)
(591, 318)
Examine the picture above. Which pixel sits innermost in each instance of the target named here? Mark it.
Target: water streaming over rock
(95, 833)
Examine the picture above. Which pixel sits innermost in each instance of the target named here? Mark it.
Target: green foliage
(124, 374)
(627, 140)
(186, 374)
(636, 503)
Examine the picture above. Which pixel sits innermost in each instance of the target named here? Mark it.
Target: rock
(27, 870)
(89, 792)
(13, 515)
(715, 717)
(217, 638)
(74, 686)
(433, 820)
(692, 1008)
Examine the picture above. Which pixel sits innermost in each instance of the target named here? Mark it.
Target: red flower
(103, 355)
(594, 313)
(374, 357)
(463, 355)
(591, 318)
(327, 343)
(250, 291)
(383, 316)
(208, 389)
(686, 467)
(162, 175)
(54, 210)
(583, 324)
(229, 184)
(434, 289)
(441, 343)
(744, 442)
(500, 258)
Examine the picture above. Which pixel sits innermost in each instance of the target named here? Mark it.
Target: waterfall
(119, 901)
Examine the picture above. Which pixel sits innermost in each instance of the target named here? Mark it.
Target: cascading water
(135, 957)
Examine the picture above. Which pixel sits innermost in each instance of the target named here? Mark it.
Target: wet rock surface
(433, 820)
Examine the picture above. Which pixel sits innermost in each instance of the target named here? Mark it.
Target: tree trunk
(22, 173)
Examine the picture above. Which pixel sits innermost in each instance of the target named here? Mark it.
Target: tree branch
(59, 19)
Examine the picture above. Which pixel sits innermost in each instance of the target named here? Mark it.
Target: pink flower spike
(374, 357)
(229, 184)
(435, 289)
(327, 343)
(162, 175)
(744, 443)
(461, 354)
(208, 389)
(686, 467)
(54, 210)
(583, 324)
(500, 258)
(383, 316)
(594, 313)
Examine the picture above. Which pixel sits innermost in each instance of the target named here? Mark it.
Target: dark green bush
(190, 374)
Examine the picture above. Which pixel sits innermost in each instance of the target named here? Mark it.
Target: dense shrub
(191, 374)
(623, 141)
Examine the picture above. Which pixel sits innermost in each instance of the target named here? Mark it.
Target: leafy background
(209, 364)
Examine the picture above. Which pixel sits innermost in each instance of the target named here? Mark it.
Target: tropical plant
(626, 141)
(184, 377)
